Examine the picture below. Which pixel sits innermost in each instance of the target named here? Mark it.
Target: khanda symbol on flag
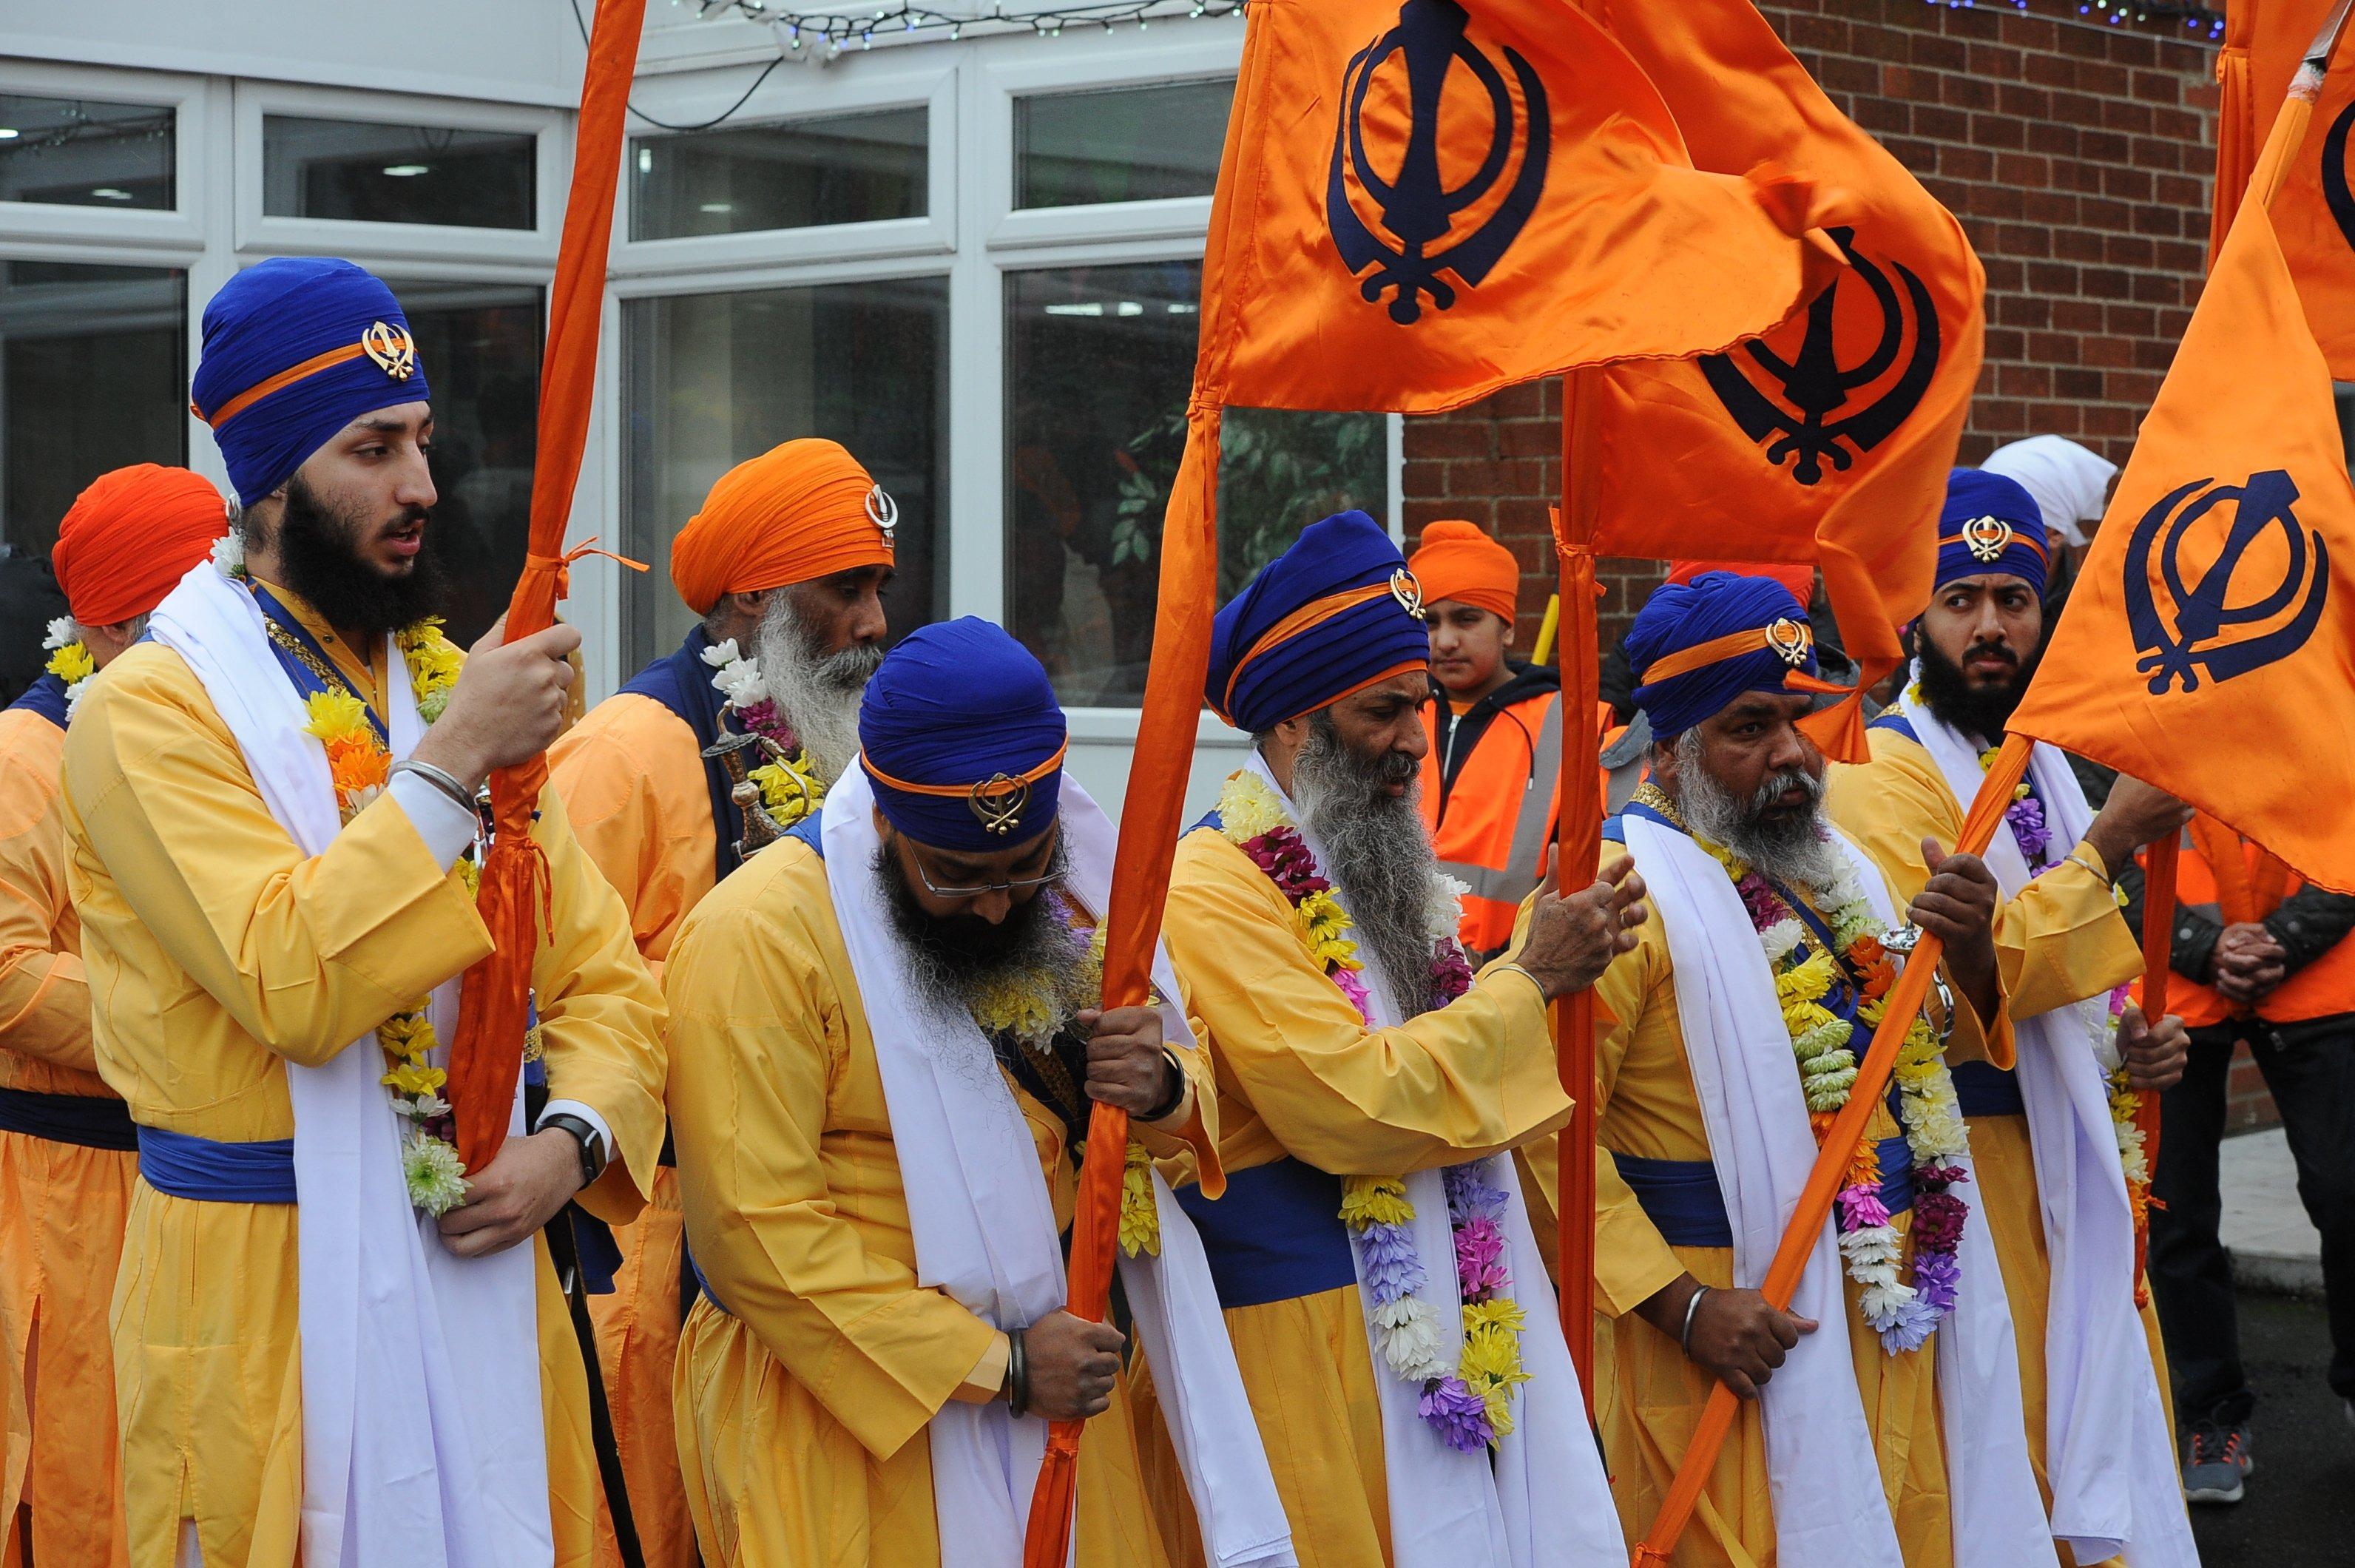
(1416, 209)
(2200, 625)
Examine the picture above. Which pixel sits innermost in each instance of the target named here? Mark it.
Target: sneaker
(2218, 1462)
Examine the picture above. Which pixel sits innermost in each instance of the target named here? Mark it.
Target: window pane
(75, 151)
(1100, 361)
(480, 344)
(712, 379)
(1128, 144)
(859, 168)
(397, 174)
(93, 376)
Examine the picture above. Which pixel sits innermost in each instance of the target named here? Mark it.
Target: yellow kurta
(802, 1408)
(2059, 940)
(1650, 1396)
(217, 954)
(1300, 1074)
(633, 782)
(62, 1206)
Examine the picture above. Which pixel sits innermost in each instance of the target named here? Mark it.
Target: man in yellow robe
(786, 564)
(273, 930)
(886, 1047)
(66, 1167)
(1416, 1413)
(1881, 1424)
(2092, 1379)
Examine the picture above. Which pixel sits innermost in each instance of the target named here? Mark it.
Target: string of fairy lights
(832, 32)
(2201, 21)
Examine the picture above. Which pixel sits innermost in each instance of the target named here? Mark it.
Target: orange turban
(796, 512)
(131, 536)
(1459, 562)
(1799, 580)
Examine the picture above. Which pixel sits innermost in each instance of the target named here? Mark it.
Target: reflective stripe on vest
(1500, 816)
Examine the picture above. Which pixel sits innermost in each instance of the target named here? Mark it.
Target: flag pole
(1832, 1156)
(1578, 843)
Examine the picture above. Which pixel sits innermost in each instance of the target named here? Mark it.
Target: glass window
(480, 344)
(858, 168)
(709, 380)
(93, 376)
(1124, 143)
(1099, 362)
(78, 152)
(372, 173)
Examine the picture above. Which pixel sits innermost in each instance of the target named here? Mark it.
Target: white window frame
(180, 229)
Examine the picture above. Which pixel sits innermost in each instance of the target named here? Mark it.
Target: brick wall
(2078, 158)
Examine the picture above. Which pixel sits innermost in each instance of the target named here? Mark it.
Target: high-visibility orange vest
(1492, 824)
(2229, 879)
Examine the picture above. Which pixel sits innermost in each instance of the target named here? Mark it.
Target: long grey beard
(1377, 854)
(817, 692)
(1796, 851)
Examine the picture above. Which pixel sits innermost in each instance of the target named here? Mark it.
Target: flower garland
(790, 788)
(2025, 816)
(1807, 982)
(359, 765)
(1466, 1399)
(1030, 1011)
(70, 661)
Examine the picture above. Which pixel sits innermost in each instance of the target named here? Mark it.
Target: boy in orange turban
(786, 564)
(1493, 774)
(65, 1165)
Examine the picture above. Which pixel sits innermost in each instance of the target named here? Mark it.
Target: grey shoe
(2218, 1462)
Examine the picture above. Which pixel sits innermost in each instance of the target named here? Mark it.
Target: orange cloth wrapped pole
(486, 1056)
(1578, 845)
(2003, 776)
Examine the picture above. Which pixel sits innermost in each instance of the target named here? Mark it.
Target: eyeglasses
(1020, 884)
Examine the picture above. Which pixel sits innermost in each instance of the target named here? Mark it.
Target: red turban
(131, 536)
(799, 511)
(1459, 562)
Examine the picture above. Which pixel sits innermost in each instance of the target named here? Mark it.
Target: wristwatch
(593, 1148)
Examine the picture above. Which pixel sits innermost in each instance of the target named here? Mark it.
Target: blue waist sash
(1682, 1199)
(1277, 1235)
(91, 1121)
(209, 1171)
(1985, 1089)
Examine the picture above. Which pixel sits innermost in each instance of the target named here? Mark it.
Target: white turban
(2070, 483)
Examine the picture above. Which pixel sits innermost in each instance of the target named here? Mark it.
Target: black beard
(318, 559)
(1982, 712)
(953, 959)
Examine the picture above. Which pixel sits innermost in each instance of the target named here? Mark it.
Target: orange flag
(2209, 646)
(2263, 42)
(1416, 206)
(2314, 214)
(1830, 439)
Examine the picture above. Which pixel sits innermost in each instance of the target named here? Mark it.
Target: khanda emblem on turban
(1814, 408)
(2221, 624)
(883, 512)
(1407, 589)
(1411, 224)
(1987, 539)
(394, 351)
(1790, 639)
(998, 801)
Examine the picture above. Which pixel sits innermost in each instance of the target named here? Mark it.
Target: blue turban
(1990, 525)
(957, 707)
(295, 349)
(1698, 646)
(1330, 616)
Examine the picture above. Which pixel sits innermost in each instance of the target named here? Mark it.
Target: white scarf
(422, 1433)
(1821, 1469)
(1545, 1501)
(985, 1230)
(2107, 1453)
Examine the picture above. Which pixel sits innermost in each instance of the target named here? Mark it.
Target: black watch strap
(593, 1146)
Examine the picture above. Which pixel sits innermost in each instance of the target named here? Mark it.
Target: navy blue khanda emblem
(1422, 225)
(2335, 194)
(2208, 625)
(1811, 409)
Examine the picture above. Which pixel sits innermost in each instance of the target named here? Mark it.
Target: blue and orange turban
(1698, 646)
(295, 349)
(1991, 525)
(961, 736)
(1329, 617)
